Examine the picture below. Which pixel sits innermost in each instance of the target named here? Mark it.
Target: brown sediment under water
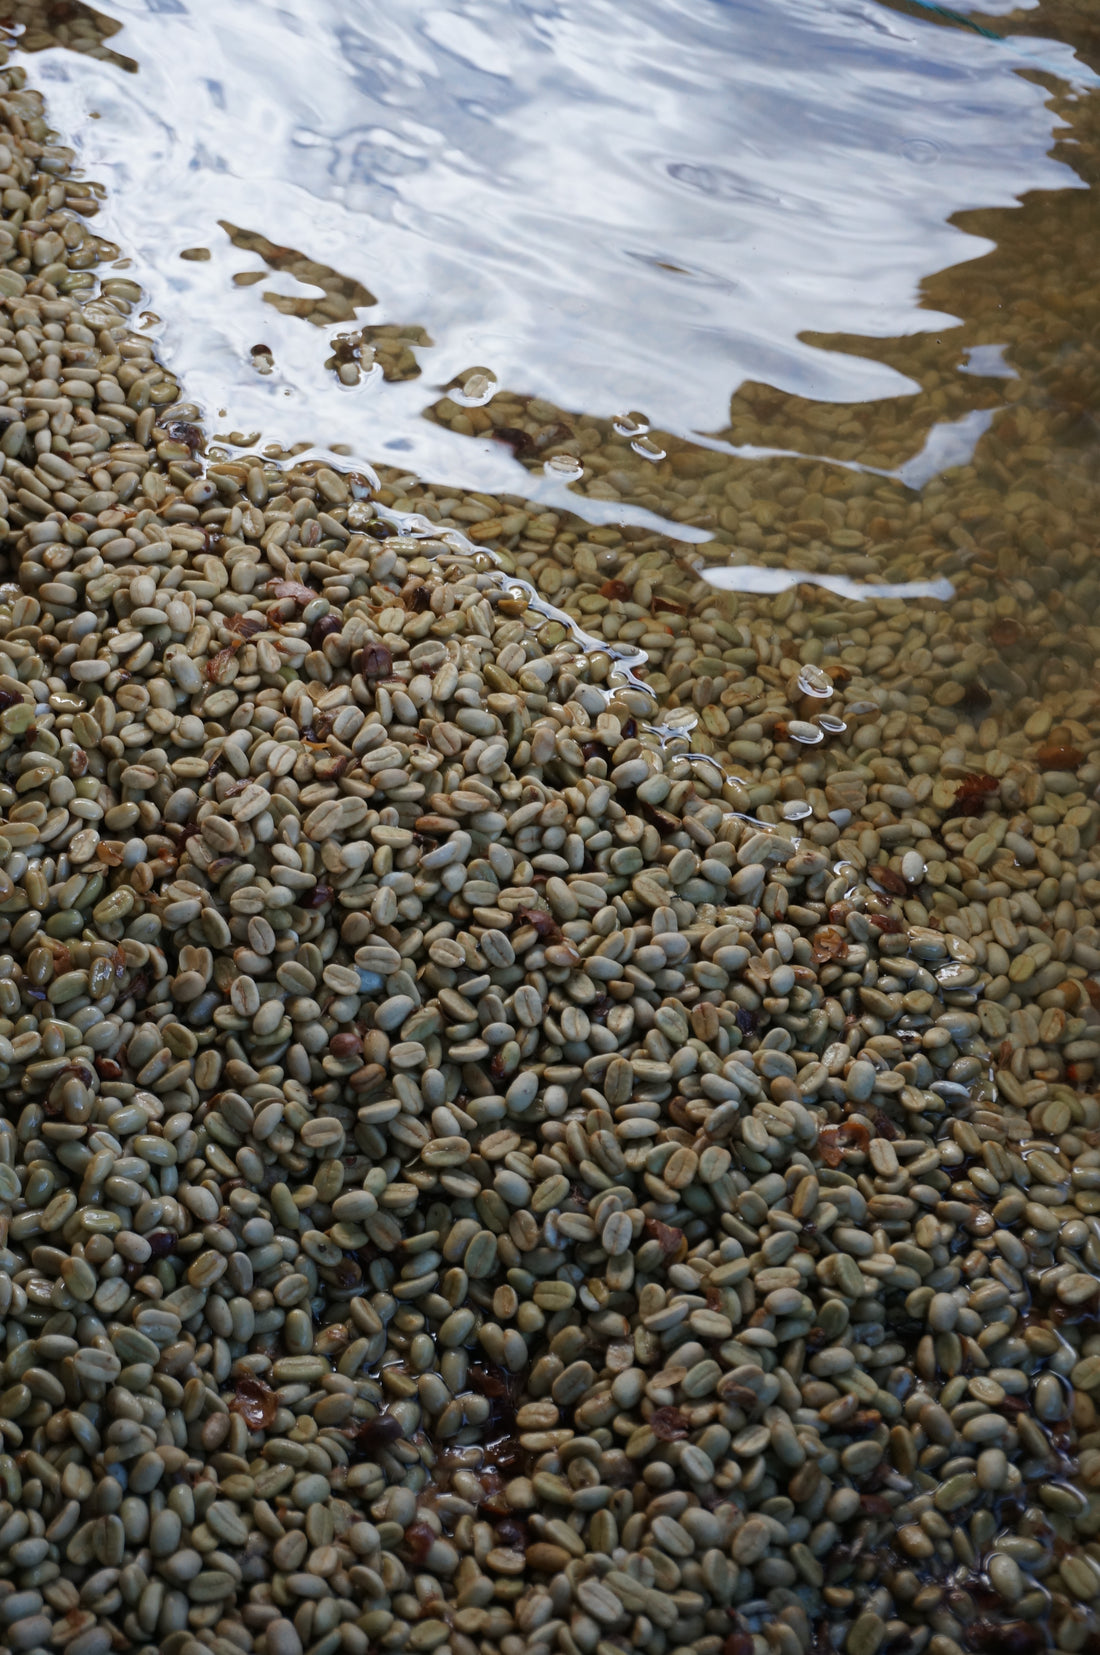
(549, 871)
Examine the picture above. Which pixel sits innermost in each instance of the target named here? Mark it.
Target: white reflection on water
(755, 578)
(612, 206)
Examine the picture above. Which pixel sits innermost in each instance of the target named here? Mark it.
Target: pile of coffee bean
(479, 1174)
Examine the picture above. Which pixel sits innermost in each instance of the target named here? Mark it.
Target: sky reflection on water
(609, 209)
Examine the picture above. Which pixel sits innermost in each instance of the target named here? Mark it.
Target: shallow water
(609, 219)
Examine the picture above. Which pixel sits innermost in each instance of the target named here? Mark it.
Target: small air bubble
(631, 425)
(832, 725)
(808, 734)
(564, 467)
(795, 810)
(648, 449)
(814, 680)
(478, 388)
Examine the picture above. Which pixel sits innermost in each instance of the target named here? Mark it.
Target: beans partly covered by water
(473, 1177)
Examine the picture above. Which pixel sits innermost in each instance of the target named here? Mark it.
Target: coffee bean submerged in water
(375, 661)
(1013, 1637)
(255, 1402)
(374, 1435)
(668, 1424)
(323, 627)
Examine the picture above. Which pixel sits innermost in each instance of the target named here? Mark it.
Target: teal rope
(1081, 71)
(958, 17)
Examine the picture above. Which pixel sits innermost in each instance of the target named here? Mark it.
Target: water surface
(609, 215)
